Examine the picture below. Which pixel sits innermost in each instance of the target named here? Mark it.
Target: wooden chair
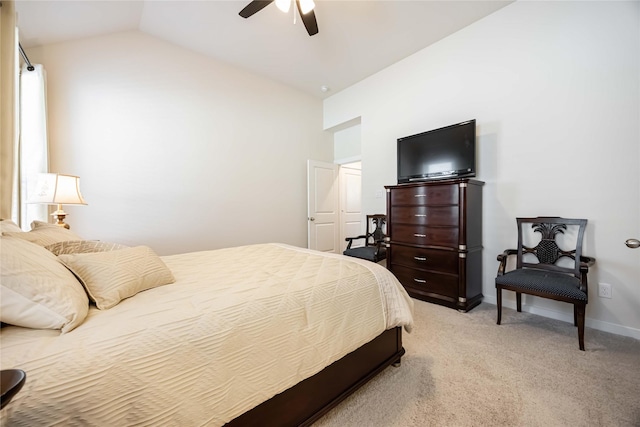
(547, 278)
(374, 248)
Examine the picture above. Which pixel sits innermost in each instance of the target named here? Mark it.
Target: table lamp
(60, 189)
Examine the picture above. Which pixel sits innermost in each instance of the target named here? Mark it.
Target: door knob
(312, 219)
(633, 243)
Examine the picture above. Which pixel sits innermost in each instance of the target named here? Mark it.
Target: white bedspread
(238, 326)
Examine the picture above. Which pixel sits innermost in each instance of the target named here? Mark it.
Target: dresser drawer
(425, 195)
(426, 282)
(426, 259)
(426, 215)
(425, 235)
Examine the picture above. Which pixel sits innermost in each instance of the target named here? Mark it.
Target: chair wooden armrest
(502, 258)
(586, 262)
(351, 239)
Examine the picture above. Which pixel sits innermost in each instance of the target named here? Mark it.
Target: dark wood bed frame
(307, 401)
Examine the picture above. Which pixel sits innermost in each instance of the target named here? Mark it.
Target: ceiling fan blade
(254, 7)
(309, 20)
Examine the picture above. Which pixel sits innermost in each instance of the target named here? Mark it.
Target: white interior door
(350, 205)
(323, 208)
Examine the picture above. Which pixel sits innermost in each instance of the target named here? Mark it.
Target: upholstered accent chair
(544, 270)
(374, 248)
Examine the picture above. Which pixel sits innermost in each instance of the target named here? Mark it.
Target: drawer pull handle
(421, 215)
(420, 258)
(419, 195)
(420, 280)
(419, 235)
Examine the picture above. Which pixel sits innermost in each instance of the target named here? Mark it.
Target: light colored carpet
(461, 369)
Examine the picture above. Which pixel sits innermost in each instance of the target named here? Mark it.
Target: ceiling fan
(305, 8)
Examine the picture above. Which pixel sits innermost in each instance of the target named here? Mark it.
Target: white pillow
(110, 277)
(9, 226)
(37, 291)
(45, 235)
(36, 224)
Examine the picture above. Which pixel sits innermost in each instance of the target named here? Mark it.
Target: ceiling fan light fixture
(283, 5)
(305, 10)
(306, 6)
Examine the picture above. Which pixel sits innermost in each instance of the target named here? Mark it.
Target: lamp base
(60, 215)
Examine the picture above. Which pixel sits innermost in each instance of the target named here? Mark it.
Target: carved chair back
(547, 250)
(377, 222)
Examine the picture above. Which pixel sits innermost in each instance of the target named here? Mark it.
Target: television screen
(440, 153)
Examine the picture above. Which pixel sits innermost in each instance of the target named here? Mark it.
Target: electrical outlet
(604, 290)
(379, 194)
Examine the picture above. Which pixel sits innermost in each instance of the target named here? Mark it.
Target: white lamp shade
(56, 188)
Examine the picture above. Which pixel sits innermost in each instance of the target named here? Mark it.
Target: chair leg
(499, 304)
(580, 308)
(575, 315)
(519, 302)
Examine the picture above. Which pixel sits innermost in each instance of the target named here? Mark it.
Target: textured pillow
(6, 225)
(82, 246)
(39, 224)
(37, 291)
(110, 277)
(46, 235)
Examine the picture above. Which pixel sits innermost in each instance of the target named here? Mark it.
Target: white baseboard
(566, 317)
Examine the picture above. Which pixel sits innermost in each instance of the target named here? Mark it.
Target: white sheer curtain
(33, 151)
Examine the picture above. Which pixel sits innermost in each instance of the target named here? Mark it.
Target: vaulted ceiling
(356, 38)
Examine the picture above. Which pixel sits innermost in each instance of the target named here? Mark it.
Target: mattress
(238, 326)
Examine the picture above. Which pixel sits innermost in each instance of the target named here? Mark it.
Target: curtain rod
(24, 56)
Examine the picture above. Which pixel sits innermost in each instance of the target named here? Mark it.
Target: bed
(265, 334)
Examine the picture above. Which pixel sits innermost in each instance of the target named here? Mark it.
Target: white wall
(555, 90)
(347, 144)
(176, 150)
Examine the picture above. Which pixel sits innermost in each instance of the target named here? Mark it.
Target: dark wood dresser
(434, 240)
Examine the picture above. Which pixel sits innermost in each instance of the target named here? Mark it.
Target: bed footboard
(308, 400)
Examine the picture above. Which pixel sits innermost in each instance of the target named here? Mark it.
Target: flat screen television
(448, 152)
